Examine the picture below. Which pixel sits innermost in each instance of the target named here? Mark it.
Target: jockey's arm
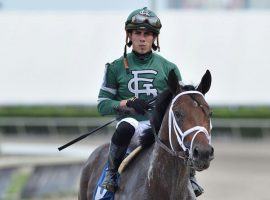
(107, 104)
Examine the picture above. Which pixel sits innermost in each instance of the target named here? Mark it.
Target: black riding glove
(138, 105)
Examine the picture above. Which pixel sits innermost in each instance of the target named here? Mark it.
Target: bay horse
(182, 120)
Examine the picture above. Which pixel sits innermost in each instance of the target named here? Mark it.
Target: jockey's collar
(142, 57)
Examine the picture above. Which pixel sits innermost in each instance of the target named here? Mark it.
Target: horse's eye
(178, 114)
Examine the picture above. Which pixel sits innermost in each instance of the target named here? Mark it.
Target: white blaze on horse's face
(193, 132)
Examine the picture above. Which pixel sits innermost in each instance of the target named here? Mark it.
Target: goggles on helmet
(140, 19)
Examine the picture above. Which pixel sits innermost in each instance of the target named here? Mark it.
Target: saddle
(129, 158)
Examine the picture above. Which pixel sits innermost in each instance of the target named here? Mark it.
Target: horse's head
(189, 123)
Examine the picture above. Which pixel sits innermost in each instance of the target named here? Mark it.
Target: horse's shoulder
(141, 159)
(96, 156)
(102, 148)
(99, 151)
(134, 177)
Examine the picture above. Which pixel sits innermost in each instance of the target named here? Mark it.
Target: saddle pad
(101, 193)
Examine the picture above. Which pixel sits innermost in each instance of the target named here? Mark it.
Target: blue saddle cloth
(101, 193)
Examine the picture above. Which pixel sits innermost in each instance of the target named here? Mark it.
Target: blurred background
(52, 58)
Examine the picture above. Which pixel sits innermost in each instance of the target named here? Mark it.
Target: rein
(186, 153)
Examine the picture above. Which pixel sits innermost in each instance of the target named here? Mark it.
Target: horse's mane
(162, 102)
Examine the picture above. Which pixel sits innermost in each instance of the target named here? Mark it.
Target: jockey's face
(142, 41)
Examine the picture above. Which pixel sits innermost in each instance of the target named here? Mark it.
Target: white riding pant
(139, 127)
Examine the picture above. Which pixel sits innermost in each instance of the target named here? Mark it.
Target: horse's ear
(173, 83)
(205, 83)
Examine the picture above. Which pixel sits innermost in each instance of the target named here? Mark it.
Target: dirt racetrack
(240, 170)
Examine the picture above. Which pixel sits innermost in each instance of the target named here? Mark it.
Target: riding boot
(198, 190)
(116, 155)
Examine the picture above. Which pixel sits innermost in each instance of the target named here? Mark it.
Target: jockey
(131, 81)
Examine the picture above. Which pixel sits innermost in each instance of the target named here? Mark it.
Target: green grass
(262, 112)
(18, 181)
(49, 111)
(91, 111)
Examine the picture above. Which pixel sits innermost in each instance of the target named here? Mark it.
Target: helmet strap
(125, 54)
(129, 43)
(156, 47)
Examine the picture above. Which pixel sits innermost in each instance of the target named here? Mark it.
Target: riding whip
(85, 135)
(123, 112)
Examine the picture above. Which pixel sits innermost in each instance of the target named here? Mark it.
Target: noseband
(186, 154)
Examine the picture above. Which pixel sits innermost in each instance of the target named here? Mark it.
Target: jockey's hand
(120, 110)
(139, 105)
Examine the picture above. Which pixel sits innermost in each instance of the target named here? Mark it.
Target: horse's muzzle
(202, 156)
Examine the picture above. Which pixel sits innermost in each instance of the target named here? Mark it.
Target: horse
(182, 122)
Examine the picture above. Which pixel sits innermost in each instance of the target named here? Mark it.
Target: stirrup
(110, 181)
(198, 190)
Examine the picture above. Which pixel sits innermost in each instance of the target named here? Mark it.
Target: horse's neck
(167, 173)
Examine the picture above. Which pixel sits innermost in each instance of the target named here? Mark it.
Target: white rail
(52, 125)
(22, 125)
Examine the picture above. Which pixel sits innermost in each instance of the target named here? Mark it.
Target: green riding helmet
(143, 19)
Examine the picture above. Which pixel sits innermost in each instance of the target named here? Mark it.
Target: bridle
(186, 152)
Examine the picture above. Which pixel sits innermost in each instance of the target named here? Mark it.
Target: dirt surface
(240, 170)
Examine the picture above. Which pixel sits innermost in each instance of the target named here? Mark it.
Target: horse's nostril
(212, 152)
(196, 152)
